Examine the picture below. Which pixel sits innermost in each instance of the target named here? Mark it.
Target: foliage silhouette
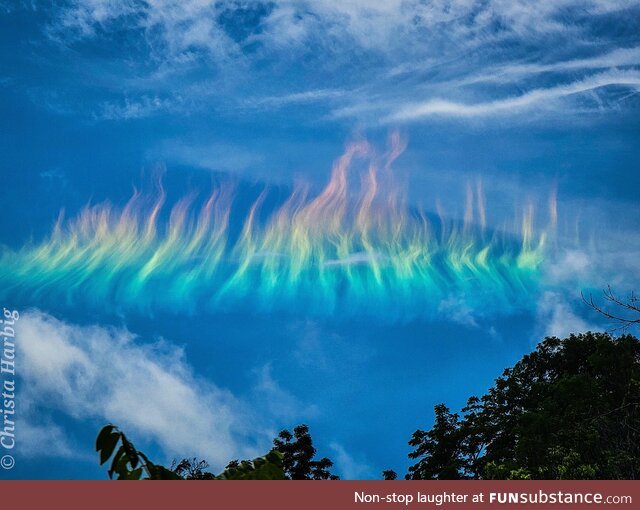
(298, 453)
(568, 410)
(130, 464)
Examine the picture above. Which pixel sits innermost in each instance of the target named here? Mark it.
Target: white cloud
(455, 309)
(172, 27)
(513, 105)
(319, 347)
(401, 60)
(309, 96)
(382, 26)
(93, 372)
(584, 266)
(586, 262)
(277, 401)
(48, 440)
(349, 467)
(215, 156)
(144, 106)
(618, 58)
(570, 266)
(557, 317)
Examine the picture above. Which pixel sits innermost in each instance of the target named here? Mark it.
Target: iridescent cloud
(356, 248)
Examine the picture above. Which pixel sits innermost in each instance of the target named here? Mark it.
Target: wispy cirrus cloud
(47, 440)
(402, 60)
(620, 58)
(560, 317)
(540, 97)
(224, 28)
(144, 106)
(296, 98)
(349, 467)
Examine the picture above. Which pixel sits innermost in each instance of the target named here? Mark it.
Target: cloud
(570, 266)
(222, 30)
(514, 105)
(368, 23)
(525, 70)
(557, 317)
(276, 400)
(215, 156)
(309, 96)
(144, 106)
(48, 440)
(615, 59)
(170, 28)
(595, 263)
(350, 468)
(94, 372)
(400, 60)
(585, 267)
(321, 349)
(455, 309)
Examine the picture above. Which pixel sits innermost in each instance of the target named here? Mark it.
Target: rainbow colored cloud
(353, 249)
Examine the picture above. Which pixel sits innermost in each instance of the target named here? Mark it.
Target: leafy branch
(130, 464)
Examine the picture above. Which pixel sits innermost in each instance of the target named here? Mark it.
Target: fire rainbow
(349, 250)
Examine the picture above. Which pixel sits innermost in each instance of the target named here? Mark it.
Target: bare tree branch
(630, 309)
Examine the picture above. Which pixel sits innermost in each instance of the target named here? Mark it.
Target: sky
(225, 218)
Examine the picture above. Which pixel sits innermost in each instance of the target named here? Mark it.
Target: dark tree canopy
(292, 459)
(129, 463)
(568, 410)
(193, 469)
(389, 474)
(298, 453)
(437, 448)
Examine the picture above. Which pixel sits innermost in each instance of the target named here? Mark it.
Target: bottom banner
(284, 495)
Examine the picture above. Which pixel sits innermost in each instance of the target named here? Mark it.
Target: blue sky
(531, 101)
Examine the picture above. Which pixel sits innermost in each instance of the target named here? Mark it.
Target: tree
(438, 449)
(298, 453)
(130, 464)
(570, 409)
(193, 469)
(622, 312)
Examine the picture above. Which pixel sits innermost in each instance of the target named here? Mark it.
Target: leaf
(121, 467)
(130, 450)
(103, 435)
(268, 467)
(108, 444)
(162, 473)
(120, 454)
(135, 474)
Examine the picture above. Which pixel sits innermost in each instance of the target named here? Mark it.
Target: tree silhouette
(438, 449)
(298, 453)
(128, 463)
(292, 458)
(389, 474)
(568, 410)
(193, 469)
